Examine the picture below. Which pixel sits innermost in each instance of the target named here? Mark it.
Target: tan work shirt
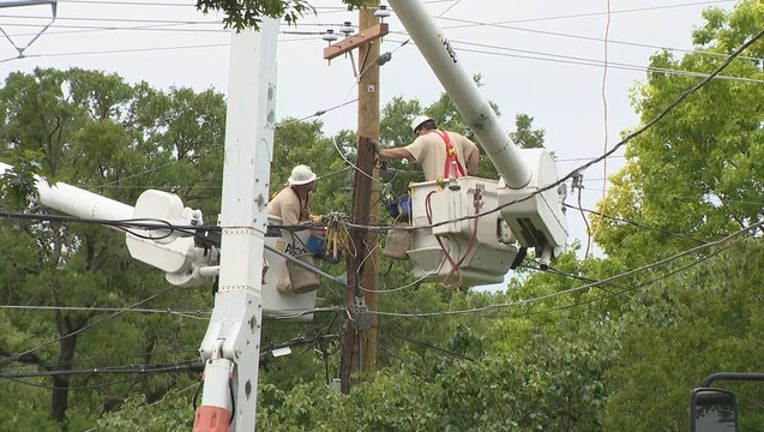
(288, 206)
(429, 150)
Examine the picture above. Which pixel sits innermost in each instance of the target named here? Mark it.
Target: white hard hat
(301, 175)
(418, 120)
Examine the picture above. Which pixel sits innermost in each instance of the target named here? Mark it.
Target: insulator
(382, 12)
(347, 28)
(329, 36)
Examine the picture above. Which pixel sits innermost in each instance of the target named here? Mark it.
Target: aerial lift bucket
(457, 235)
(277, 303)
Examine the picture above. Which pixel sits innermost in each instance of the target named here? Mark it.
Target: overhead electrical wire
(88, 326)
(622, 11)
(71, 388)
(186, 366)
(690, 198)
(583, 61)
(593, 235)
(587, 286)
(200, 315)
(655, 280)
(389, 331)
(127, 225)
(640, 225)
(127, 3)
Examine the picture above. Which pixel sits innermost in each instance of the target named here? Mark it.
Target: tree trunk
(60, 398)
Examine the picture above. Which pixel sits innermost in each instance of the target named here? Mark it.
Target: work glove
(377, 146)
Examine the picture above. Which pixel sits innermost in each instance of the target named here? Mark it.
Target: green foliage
(621, 356)
(172, 413)
(240, 15)
(97, 132)
(707, 320)
(17, 186)
(695, 172)
(694, 176)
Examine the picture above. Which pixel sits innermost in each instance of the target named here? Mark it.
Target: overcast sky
(543, 58)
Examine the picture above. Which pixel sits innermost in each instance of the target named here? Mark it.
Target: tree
(695, 175)
(97, 132)
(699, 322)
(250, 13)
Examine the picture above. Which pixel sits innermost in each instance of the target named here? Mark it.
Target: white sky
(182, 47)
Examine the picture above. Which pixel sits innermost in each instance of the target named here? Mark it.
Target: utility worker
(292, 204)
(441, 153)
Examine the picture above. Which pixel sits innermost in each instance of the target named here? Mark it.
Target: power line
(583, 61)
(622, 11)
(608, 280)
(127, 225)
(436, 349)
(117, 20)
(628, 289)
(71, 388)
(187, 314)
(688, 198)
(186, 366)
(640, 225)
(128, 3)
(17, 356)
(591, 38)
(116, 51)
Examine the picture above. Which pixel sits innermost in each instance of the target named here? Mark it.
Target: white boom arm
(178, 256)
(231, 346)
(471, 103)
(535, 217)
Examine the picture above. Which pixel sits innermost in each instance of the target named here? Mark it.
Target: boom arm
(533, 210)
(179, 257)
(470, 102)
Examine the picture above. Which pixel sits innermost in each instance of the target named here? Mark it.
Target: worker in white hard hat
(292, 204)
(441, 153)
(290, 207)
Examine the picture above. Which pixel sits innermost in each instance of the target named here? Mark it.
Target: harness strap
(452, 159)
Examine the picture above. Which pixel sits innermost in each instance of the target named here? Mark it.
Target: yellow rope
(338, 239)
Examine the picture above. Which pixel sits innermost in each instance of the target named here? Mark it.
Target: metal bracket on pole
(352, 42)
(361, 315)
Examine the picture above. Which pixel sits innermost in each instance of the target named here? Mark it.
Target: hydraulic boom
(529, 204)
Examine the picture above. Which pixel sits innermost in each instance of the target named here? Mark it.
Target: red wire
(473, 242)
(454, 265)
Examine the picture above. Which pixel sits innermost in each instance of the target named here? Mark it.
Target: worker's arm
(396, 153)
(473, 161)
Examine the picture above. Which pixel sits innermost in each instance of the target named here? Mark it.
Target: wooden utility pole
(368, 127)
(362, 260)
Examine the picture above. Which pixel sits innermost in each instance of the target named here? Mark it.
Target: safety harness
(452, 159)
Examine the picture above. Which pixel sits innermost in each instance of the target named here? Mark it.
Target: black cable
(206, 234)
(553, 270)
(634, 288)
(390, 330)
(192, 366)
(640, 225)
(88, 387)
(195, 399)
(17, 356)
